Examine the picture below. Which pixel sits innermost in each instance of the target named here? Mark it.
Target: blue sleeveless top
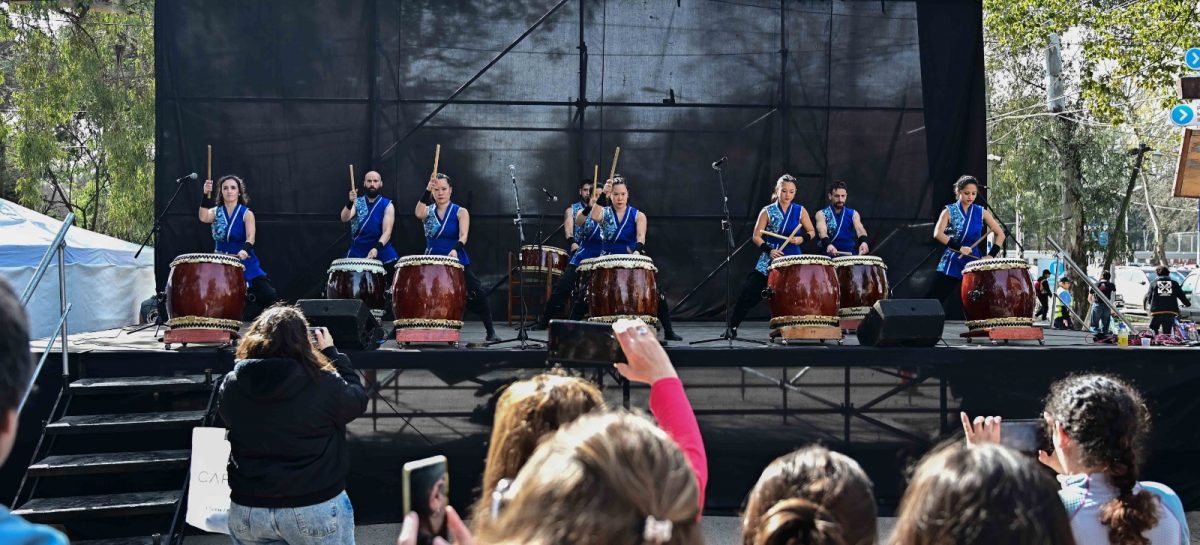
(840, 229)
(965, 227)
(441, 233)
(575, 208)
(590, 239)
(366, 228)
(782, 223)
(229, 232)
(620, 236)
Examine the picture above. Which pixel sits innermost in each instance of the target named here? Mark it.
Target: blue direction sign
(1182, 115)
(1192, 58)
(1103, 239)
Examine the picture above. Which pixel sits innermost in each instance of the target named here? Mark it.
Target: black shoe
(671, 336)
(491, 337)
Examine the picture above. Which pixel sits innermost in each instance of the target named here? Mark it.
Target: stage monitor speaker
(349, 322)
(902, 322)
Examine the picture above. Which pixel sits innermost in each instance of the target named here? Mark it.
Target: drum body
(803, 291)
(362, 279)
(543, 259)
(862, 280)
(997, 293)
(429, 292)
(206, 291)
(621, 286)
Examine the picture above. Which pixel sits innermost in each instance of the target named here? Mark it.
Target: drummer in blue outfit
(584, 242)
(234, 232)
(839, 227)
(447, 226)
(961, 228)
(371, 217)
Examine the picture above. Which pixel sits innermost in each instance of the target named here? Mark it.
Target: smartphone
(1027, 436)
(312, 334)
(583, 343)
(426, 491)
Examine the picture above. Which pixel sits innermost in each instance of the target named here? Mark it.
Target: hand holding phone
(319, 337)
(574, 342)
(1026, 436)
(426, 489)
(645, 359)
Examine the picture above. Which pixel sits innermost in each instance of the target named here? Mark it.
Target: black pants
(563, 289)
(261, 294)
(752, 288)
(477, 301)
(1164, 322)
(1043, 306)
(948, 290)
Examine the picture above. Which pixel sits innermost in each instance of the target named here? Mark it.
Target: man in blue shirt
(15, 368)
(1062, 307)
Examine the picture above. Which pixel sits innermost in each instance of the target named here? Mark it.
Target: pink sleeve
(670, 406)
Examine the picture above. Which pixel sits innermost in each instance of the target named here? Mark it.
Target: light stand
(160, 296)
(727, 227)
(522, 337)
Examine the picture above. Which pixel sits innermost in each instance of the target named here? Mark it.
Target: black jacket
(288, 431)
(1163, 294)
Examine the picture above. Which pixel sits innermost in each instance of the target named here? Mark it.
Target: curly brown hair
(281, 331)
(1109, 421)
(243, 195)
(527, 413)
(982, 495)
(812, 495)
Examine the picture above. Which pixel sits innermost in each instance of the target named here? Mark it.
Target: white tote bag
(208, 488)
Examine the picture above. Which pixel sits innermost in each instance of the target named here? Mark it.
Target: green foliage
(79, 131)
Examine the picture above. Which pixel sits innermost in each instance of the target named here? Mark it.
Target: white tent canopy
(105, 284)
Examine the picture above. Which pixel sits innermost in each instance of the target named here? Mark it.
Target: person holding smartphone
(286, 405)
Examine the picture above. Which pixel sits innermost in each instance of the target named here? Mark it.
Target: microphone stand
(522, 337)
(727, 227)
(160, 296)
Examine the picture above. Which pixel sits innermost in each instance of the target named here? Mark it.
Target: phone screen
(583, 343)
(426, 491)
(1028, 436)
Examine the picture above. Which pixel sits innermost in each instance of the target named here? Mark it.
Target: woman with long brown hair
(286, 404)
(812, 495)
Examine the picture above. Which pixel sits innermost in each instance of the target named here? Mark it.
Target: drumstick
(209, 193)
(789, 240)
(352, 184)
(437, 156)
(612, 173)
(770, 234)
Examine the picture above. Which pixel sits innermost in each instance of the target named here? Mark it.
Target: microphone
(549, 196)
(191, 176)
(717, 165)
(512, 171)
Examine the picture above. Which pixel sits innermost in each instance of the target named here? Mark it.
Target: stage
(885, 406)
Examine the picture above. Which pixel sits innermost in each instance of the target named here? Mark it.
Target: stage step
(140, 540)
(122, 385)
(52, 510)
(105, 423)
(115, 462)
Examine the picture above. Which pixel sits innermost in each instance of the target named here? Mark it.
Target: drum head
(852, 260)
(220, 259)
(357, 265)
(618, 261)
(995, 264)
(550, 249)
(790, 260)
(419, 260)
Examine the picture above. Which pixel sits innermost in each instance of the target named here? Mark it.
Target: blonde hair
(527, 413)
(814, 495)
(598, 480)
(785, 178)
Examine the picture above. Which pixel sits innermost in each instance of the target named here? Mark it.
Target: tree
(78, 135)
(1121, 60)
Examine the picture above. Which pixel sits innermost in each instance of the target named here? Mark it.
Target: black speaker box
(349, 322)
(902, 322)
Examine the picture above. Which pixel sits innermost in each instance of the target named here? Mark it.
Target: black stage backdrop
(887, 96)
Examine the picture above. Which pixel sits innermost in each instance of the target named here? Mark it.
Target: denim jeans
(1101, 317)
(330, 522)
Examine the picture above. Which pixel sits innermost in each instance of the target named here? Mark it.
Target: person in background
(1041, 288)
(1062, 305)
(814, 496)
(1162, 300)
(1101, 314)
(16, 368)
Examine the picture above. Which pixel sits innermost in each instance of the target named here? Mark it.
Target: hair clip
(656, 531)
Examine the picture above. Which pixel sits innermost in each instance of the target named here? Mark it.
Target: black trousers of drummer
(477, 301)
(261, 294)
(752, 293)
(565, 287)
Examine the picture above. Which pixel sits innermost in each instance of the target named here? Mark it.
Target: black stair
(51, 510)
(116, 462)
(106, 423)
(121, 385)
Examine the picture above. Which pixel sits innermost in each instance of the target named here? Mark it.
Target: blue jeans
(1101, 317)
(330, 522)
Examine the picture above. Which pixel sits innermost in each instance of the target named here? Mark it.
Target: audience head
(528, 412)
(1162, 271)
(813, 496)
(281, 331)
(611, 478)
(1101, 425)
(981, 495)
(16, 365)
